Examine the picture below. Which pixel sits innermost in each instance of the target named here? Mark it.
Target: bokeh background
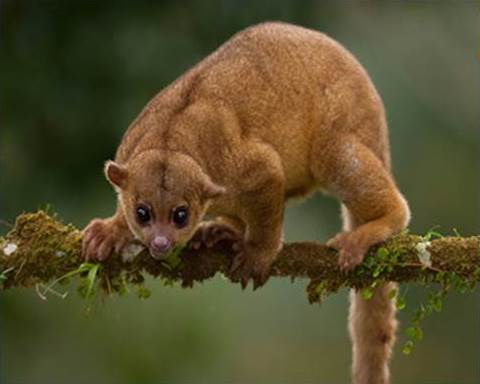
(74, 74)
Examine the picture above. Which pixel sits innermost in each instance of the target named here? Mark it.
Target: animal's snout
(160, 244)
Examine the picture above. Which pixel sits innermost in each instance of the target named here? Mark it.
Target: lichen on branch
(41, 249)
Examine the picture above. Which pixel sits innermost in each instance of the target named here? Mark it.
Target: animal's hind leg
(363, 184)
(372, 327)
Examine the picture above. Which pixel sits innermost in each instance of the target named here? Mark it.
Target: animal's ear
(116, 174)
(212, 190)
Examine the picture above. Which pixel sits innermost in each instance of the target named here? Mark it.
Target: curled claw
(100, 239)
(237, 269)
(212, 234)
(92, 237)
(237, 262)
(260, 278)
(256, 268)
(244, 282)
(194, 245)
(351, 247)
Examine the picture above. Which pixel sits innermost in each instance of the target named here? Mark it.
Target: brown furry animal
(277, 112)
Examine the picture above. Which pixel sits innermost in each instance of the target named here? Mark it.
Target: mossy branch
(41, 249)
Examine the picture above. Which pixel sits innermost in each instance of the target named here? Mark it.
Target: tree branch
(40, 249)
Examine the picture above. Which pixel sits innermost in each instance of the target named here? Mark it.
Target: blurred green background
(74, 74)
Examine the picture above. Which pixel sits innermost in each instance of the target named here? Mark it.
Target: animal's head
(164, 196)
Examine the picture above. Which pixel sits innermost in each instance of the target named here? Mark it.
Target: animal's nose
(160, 244)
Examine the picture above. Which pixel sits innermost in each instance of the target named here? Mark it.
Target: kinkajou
(277, 112)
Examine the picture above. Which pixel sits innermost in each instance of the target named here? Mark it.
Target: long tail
(372, 327)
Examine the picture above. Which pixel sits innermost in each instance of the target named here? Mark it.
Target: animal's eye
(143, 214)
(180, 217)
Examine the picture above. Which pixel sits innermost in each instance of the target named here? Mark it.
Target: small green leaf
(320, 287)
(410, 332)
(369, 262)
(173, 259)
(91, 279)
(414, 332)
(401, 304)
(419, 335)
(437, 303)
(419, 314)
(366, 293)
(435, 235)
(392, 294)
(382, 253)
(432, 234)
(143, 292)
(408, 347)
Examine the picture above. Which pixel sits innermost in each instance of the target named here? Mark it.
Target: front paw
(352, 247)
(253, 264)
(213, 234)
(101, 238)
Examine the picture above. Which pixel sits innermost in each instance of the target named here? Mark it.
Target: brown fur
(277, 112)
